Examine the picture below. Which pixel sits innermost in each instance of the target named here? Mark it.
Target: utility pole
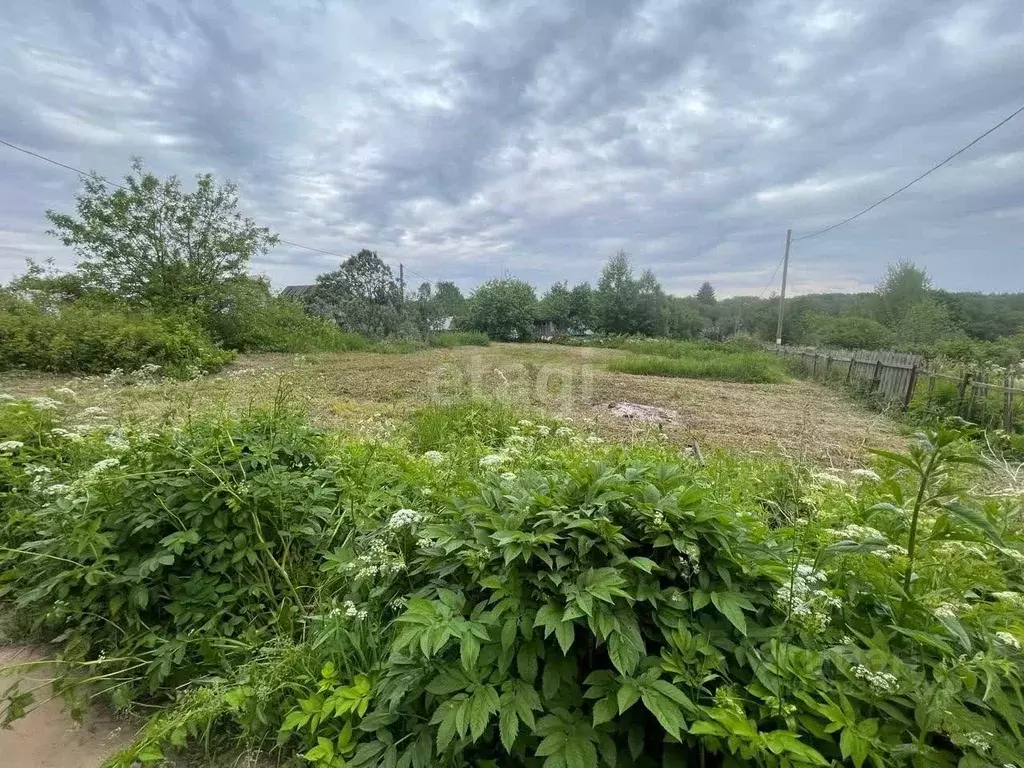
(401, 279)
(782, 296)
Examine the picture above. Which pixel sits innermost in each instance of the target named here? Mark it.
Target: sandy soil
(48, 737)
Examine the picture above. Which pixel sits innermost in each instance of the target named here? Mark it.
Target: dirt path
(48, 737)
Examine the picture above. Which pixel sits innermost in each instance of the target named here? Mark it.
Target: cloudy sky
(469, 139)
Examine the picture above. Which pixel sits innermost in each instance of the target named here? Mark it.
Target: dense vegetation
(468, 589)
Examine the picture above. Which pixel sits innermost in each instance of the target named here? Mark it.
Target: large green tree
(151, 242)
(615, 301)
(504, 309)
(904, 285)
(362, 296)
(556, 306)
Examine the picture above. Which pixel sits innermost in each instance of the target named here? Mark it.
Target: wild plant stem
(912, 543)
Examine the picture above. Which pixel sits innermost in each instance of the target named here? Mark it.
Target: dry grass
(798, 419)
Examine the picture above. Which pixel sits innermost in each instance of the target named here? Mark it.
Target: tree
(682, 318)
(845, 331)
(556, 306)
(504, 309)
(362, 296)
(706, 295)
(153, 243)
(650, 309)
(448, 299)
(924, 323)
(904, 284)
(581, 308)
(615, 301)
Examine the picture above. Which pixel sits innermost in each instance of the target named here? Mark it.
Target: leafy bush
(517, 595)
(84, 339)
(750, 367)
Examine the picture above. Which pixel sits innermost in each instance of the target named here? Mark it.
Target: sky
(471, 140)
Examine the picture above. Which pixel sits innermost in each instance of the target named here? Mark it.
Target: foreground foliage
(474, 589)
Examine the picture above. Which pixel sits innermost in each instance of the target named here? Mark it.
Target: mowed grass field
(793, 418)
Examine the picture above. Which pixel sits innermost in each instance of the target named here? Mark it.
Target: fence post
(814, 371)
(911, 386)
(961, 391)
(849, 371)
(876, 377)
(828, 364)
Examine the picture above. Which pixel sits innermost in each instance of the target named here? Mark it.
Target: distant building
(297, 291)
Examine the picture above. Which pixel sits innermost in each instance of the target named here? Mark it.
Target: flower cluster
(434, 457)
(493, 460)
(1008, 640)
(377, 429)
(403, 518)
(44, 403)
(805, 599)
(881, 683)
(10, 446)
(117, 443)
(866, 474)
(66, 434)
(377, 561)
(858, 532)
(689, 560)
(949, 610)
(826, 478)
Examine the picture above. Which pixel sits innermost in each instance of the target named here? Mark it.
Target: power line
(771, 279)
(105, 180)
(931, 170)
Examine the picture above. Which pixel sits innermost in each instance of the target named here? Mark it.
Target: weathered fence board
(894, 377)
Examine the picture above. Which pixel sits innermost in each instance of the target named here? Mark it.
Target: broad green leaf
(508, 727)
(605, 710)
(626, 697)
(731, 605)
(565, 632)
(666, 710)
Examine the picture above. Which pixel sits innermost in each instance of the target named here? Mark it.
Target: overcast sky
(467, 139)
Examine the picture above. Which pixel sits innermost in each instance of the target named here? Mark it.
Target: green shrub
(750, 367)
(448, 339)
(84, 339)
(545, 602)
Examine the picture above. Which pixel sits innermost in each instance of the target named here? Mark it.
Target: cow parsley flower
(57, 489)
(350, 609)
(10, 446)
(493, 460)
(594, 440)
(434, 457)
(858, 532)
(978, 741)
(45, 403)
(881, 683)
(119, 444)
(948, 610)
(828, 478)
(543, 430)
(866, 474)
(404, 517)
(563, 432)
(1010, 641)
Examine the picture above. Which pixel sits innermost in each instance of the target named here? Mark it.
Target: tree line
(150, 245)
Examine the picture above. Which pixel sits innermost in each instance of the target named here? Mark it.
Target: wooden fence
(898, 378)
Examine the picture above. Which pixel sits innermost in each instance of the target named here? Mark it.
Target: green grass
(748, 367)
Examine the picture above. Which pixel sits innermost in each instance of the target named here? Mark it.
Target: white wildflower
(1010, 641)
(434, 457)
(493, 460)
(57, 489)
(1013, 554)
(978, 741)
(424, 542)
(846, 640)
(119, 444)
(350, 609)
(866, 474)
(361, 615)
(543, 430)
(858, 532)
(947, 610)
(45, 403)
(594, 440)
(92, 411)
(1014, 598)
(563, 432)
(805, 600)
(65, 391)
(10, 446)
(102, 466)
(880, 683)
(404, 517)
(38, 469)
(525, 423)
(334, 612)
(658, 519)
(828, 478)
(508, 476)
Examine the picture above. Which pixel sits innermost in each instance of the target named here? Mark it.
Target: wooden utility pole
(782, 296)
(401, 280)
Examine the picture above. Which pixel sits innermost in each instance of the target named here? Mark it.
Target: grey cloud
(469, 139)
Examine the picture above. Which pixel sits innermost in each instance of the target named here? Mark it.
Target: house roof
(297, 291)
